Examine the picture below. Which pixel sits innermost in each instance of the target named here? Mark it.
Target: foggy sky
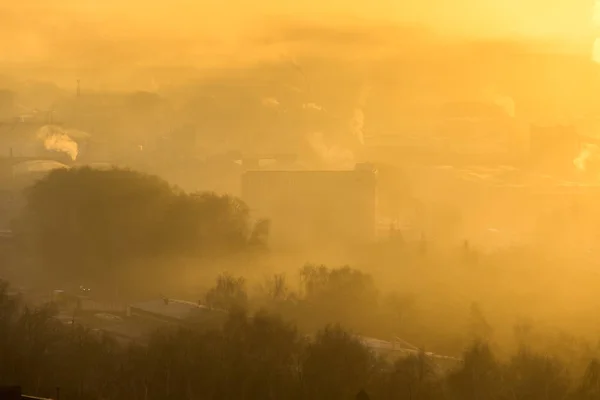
(507, 17)
(156, 31)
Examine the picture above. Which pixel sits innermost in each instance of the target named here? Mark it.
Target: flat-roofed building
(172, 311)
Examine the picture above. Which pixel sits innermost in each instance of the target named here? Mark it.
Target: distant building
(142, 319)
(162, 309)
(267, 161)
(171, 311)
(398, 349)
(315, 207)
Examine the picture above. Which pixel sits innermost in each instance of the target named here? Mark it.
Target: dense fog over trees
(261, 356)
(292, 334)
(86, 225)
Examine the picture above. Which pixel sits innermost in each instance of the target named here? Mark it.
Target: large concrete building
(314, 207)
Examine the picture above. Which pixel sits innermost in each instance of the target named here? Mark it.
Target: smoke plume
(357, 123)
(589, 153)
(491, 94)
(270, 102)
(507, 103)
(57, 139)
(333, 157)
(312, 106)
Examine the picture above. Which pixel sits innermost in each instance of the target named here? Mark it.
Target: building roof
(128, 329)
(174, 309)
(399, 348)
(37, 166)
(324, 172)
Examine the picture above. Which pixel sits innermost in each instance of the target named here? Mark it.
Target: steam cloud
(270, 102)
(333, 156)
(357, 123)
(57, 139)
(312, 106)
(588, 154)
(507, 103)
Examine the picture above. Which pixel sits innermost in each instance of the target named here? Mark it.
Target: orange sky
(564, 17)
(37, 30)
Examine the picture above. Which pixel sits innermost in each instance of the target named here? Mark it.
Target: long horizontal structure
(399, 349)
(166, 309)
(171, 311)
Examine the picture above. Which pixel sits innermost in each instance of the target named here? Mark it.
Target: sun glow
(596, 22)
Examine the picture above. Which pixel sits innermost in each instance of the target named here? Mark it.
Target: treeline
(89, 226)
(116, 228)
(260, 357)
(351, 298)
(324, 296)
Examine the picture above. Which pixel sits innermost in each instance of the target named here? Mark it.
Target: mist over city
(278, 200)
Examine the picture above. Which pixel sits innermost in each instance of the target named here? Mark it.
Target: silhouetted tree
(340, 295)
(260, 233)
(256, 356)
(88, 225)
(480, 328)
(589, 389)
(276, 288)
(414, 378)
(399, 308)
(229, 293)
(337, 365)
(531, 376)
(82, 224)
(480, 376)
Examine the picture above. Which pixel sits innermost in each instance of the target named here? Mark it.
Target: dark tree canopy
(85, 224)
(259, 356)
(336, 365)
